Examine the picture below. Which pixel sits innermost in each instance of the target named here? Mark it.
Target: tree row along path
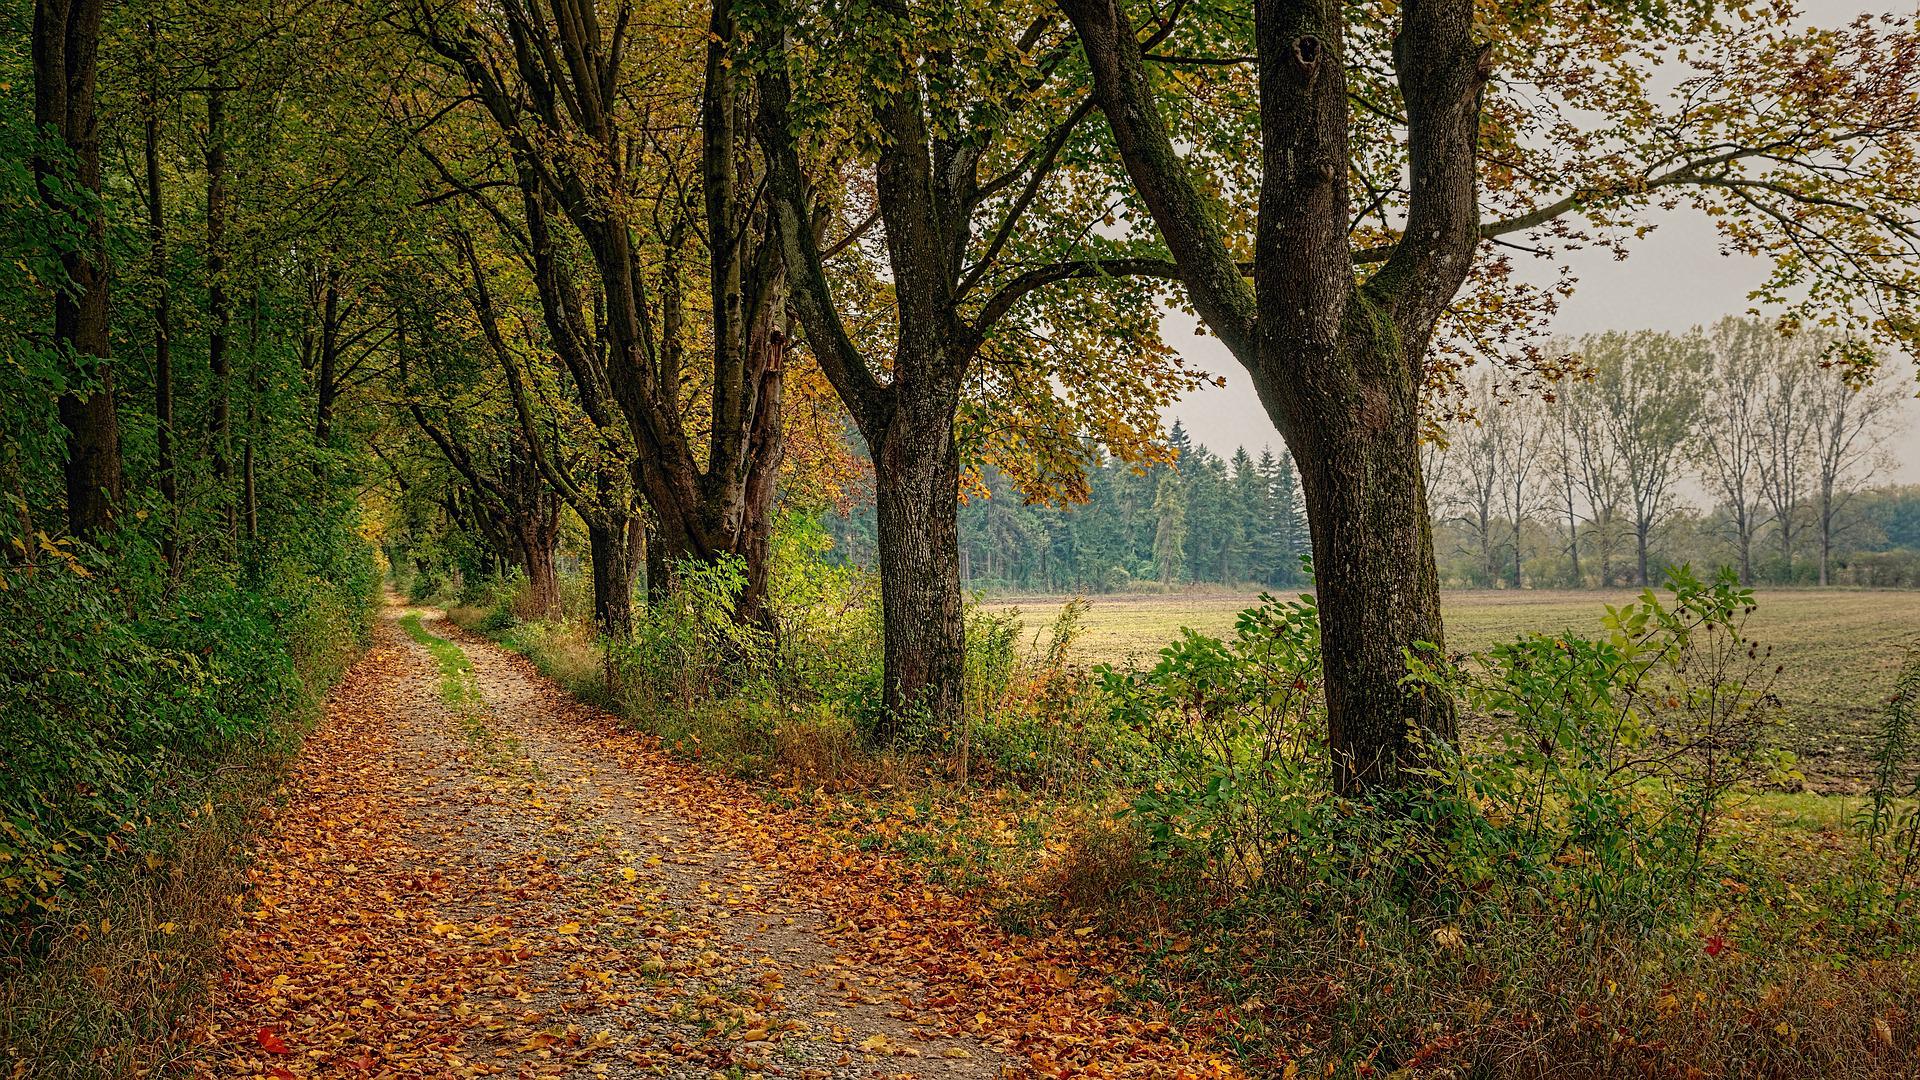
(521, 886)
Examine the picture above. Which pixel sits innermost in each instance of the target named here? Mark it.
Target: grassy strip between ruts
(457, 688)
(462, 696)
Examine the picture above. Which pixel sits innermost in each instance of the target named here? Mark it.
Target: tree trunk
(221, 420)
(636, 549)
(66, 42)
(754, 607)
(543, 581)
(660, 562)
(326, 380)
(1489, 573)
(1826, 529)
(256, 388)
(1516, 552)
(1573, 536)
(164, 463)
(917, 491)
(1375, 581)
(612, 579)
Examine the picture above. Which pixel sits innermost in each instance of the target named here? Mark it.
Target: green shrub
(107, 718)
(1563, 894)
(1234, 760)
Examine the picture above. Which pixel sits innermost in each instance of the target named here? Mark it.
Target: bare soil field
(1839, 649)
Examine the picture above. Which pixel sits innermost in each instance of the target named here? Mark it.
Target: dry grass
(1102, 869)
(113, 988)
(1839, 649)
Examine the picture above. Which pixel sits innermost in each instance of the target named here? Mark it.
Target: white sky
(1676, 278)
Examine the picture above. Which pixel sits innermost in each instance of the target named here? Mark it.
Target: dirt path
(525, 889)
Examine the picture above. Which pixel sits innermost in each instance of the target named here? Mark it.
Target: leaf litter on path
(535, 890)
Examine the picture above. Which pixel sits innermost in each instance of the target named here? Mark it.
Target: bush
(1565, 896)
(1231, 736)
(108, 719)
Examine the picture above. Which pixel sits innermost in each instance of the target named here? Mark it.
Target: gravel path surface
(477, 891)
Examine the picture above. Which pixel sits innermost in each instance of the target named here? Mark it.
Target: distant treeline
(1729, 446)
(1239, 520)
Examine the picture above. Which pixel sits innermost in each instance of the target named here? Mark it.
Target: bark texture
(66, 44)
(1336, 363)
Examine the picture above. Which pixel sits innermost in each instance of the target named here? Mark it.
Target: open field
(1840, 649)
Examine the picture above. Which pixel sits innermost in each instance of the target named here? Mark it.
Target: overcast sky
(1676, 278)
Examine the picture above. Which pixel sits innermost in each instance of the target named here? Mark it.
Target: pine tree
(1170, 531)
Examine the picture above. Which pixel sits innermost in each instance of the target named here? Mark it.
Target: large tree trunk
(1641, 565)
(66, 42)
(1374, 579)
(543, 580)
(917, 490)
(612, 579)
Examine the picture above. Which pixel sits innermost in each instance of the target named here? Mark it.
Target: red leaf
(1715, 945)
(278, 1073)
(272, 1043)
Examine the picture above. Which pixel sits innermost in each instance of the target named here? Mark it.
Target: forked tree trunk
(1337, 364)
(917, 488)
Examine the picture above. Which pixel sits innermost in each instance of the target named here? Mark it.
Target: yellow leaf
(567, 928)
(629, 873)
(168, 928)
